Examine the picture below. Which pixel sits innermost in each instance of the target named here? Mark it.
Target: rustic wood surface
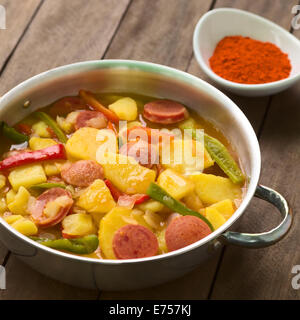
(49, 33)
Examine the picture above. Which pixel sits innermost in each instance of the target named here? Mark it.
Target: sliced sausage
(165, 111)
(55, 179)
(37, 208)
(144, 153)
(93, 119)
(134, 241)
(82, 173)
(66, 105)
(185, 230)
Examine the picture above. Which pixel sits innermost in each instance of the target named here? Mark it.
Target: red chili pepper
(141, 199)
(89, 99)
(51, 132)
(116, 194)
(130, 201)
(51, 153)
(112, 127)
(24, 128)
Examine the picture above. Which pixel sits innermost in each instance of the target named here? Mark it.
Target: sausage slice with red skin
(82, 173)
(37, 209)
(134, 241)
(165, 111)
(92, 119)
(141, 151)
(67, 105)
(185, 230)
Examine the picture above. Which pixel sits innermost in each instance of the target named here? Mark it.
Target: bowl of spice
(245, 53)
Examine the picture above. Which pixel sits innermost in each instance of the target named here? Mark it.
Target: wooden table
(43, 34)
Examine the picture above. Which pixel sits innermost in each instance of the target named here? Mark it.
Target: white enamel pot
(152, 80)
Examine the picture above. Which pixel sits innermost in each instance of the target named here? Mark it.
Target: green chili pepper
(12, 133)
(159, 194)
(52, 124)
(85, 245)
(48, 185)
(219, 153)
(120, 142)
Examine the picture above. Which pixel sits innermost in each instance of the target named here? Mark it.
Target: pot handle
(261, 240)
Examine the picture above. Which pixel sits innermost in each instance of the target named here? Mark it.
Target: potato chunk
(36, 143)
(65, 125)
(27, 176)
(13, 218)
(10, 196)
(52, 168)
(85, 143)
(78, 224)
(21, 224)
(186, 156)
(126, 174)
(96, 198)
(225, 207)
(125, 109)
(111, 222)
(2, 181)
(20, 202)
(41, 129)
(2, 205)
(175, 184)
(214, 217)
(25, 226)
(212, 189)
(193, 201)
(152, 205)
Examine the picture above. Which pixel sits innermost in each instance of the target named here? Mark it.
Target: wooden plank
(18, 16)
(163, 36)
(266, 273)
(62, 32)
(159, 31)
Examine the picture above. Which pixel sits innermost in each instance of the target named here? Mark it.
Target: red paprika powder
(245, 60)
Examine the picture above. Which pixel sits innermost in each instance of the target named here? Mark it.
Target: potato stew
(117, 176)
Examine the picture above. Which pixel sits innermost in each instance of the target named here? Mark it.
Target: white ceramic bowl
(219, 23)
